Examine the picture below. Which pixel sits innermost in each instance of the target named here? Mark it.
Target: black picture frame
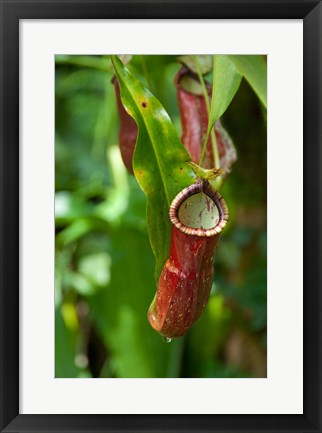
(11, 12)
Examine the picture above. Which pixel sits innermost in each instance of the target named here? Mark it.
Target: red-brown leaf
(194, 121)
(128, 131)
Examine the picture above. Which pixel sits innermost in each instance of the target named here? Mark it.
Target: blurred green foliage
(104, 262)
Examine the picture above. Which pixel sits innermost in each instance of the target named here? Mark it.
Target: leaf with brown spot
(157, 159)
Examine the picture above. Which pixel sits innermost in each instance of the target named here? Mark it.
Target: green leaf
(92, 62)
(254, 69)
(226, 80)
(159, 160)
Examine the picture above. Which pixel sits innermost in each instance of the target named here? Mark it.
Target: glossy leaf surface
(254, 69)
(159, 161)
(226, 80)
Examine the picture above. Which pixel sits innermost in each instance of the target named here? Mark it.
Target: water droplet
(166, 339)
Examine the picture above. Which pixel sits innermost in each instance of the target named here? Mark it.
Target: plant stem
(202, 82)
(215, 147)
(210, 130)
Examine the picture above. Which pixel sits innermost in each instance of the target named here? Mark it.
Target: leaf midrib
(153, 144)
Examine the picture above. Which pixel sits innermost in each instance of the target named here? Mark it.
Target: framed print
(160, 215)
